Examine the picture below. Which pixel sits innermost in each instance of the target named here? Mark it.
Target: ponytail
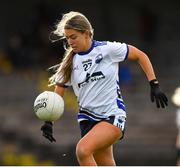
(64, 69)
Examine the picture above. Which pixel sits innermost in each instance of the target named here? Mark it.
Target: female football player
(91, 68)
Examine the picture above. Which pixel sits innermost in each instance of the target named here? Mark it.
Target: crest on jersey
(98, 58)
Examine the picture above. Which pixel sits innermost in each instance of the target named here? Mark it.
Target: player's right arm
(59, 90)
(47, 127)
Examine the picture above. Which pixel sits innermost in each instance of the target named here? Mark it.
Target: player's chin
(75, 50)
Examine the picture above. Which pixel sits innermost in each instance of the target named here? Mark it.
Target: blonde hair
(76, 21)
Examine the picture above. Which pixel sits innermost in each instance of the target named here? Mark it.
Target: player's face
(77, 40)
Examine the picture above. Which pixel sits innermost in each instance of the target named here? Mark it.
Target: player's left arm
(156, 93)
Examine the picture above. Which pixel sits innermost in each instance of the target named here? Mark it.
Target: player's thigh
(104, 157)
(102, 135)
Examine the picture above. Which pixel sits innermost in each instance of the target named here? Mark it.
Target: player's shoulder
(106, 44)
(99, 43)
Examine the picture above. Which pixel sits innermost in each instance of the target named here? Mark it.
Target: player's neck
(88, 45)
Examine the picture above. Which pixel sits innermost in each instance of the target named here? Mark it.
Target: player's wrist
(49, 122)
(154, 82)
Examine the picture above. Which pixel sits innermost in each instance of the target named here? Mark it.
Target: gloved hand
(157, 94)
(47, 129)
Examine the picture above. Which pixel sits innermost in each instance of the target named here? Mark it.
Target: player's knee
(83, 151)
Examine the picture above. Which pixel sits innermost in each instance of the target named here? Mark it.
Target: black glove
(47, 129)
(157, 94)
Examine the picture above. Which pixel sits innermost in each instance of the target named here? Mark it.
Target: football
(48, 106)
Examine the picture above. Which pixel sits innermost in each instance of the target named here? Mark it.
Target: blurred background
(26, 52)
